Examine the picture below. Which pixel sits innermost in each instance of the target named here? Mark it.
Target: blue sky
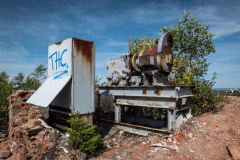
(28, 27)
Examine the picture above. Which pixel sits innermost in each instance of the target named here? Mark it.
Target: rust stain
(112, 64)
(84, 48)
(144, 92)
(159, 91)
(59, 43)
(151, 52)
(87, 116)
(129, 103)
(172, 127)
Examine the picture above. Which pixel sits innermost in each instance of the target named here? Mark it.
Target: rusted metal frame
(138, 127)
(146, 96)
(87, 116)
(153, 123)
(150, 86)
(99, 96)
(181, 108)
(171, 119)
(142, 102)
(165, 92)
(61, 112)
(117, 113)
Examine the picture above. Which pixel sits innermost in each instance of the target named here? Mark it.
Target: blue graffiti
(58, 63)
(59, 75)
(58, 60)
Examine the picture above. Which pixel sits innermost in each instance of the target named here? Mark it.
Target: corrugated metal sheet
(48, 91)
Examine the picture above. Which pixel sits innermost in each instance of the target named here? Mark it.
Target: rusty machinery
(140, 88)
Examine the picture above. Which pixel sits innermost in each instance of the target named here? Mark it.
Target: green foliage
(39, 72)
(97, 82)
(4, 77)
(139, 44)
(6, 90)
(18, 79)
(24, 120)
(83, 137)
(34, 80)
(32, 116)
(192, 45)
(206, 98)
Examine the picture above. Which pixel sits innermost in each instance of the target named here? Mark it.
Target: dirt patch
(204, 137)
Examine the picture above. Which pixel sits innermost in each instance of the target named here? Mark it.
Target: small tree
(97, 82)
(4, 77)
(140, 43)
(39, 72)
(34, 80)
(82, 137)
(18, 79)
(6, 90)
(192, 45)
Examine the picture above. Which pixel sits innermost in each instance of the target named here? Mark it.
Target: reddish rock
(44, 147)
(233, 123)
(180, 139)
(3, 135)
(23, 157)
(41, 135)
(34, 122)
(182, 132)
(23, 114)
(16, 105)
(5, 147)
(19, 93)
(46, 141)
(205, 131)
(176, 136)
(25, 137)
(129, 144)
(186, 136)
(21, 140)
(5, 153)
(23, 151)
(187, 128)
(17, 123)
(234, 151)
(32, 138)
(230, 131)
(169, 143)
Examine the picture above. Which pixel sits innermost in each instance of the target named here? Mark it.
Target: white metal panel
(63, 99)
(48, 91)
(59, 73)
(83, 76)
(60, 59)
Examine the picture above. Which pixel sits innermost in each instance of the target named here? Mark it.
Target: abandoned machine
(144, 100)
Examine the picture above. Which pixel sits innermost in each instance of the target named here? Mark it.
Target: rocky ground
(210, 136)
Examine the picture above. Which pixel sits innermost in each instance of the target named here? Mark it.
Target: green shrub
(6, 90)
(83, 137)
(192, 44)
(32, 116)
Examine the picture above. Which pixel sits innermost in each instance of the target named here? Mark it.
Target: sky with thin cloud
(28, 27)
